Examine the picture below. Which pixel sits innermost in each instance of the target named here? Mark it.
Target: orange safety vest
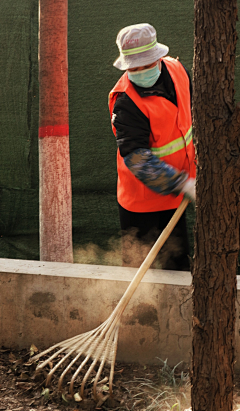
(170, 139)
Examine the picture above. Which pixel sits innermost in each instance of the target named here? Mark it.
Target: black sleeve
(132, 126)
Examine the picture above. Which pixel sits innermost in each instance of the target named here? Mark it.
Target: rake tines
(100, 344)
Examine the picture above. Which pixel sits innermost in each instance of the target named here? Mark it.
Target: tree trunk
(54, 161)
(216, 122)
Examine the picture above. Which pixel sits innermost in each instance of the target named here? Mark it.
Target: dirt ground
(21, 389)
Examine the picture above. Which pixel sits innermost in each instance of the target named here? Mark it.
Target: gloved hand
(189, 189)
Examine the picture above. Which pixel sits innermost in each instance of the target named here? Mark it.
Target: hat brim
(141, 59)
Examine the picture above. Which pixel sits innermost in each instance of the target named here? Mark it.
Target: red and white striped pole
(55, 194)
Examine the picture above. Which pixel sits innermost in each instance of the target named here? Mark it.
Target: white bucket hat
(138, 46)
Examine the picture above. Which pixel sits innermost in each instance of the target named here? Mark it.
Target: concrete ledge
(44, 303)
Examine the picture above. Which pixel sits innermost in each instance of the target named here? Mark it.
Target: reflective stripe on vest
(174, 146)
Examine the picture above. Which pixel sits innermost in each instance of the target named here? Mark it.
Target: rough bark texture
(54, 161)
(217, 134)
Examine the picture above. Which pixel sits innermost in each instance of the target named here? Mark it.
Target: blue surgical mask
(145, 78)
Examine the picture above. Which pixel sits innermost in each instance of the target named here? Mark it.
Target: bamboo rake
(100, 344)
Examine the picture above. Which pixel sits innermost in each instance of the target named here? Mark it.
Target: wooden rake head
(100, 344)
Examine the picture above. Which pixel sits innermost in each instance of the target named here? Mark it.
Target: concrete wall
(44, 303)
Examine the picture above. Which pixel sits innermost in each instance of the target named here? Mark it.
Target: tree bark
(216, 122)
(54, 160)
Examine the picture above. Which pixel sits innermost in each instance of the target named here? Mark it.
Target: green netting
(93, 26)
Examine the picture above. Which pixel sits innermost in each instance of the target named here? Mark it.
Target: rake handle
(149, 259)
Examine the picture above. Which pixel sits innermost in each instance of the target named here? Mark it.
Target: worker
(150, 108)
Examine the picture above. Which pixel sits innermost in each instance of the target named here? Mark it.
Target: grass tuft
(169, 392)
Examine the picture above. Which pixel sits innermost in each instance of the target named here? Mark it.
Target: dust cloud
(127, 251)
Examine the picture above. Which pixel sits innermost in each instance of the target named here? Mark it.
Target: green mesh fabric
(93, 27)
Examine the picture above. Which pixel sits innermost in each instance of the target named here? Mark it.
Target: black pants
(145, 228)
